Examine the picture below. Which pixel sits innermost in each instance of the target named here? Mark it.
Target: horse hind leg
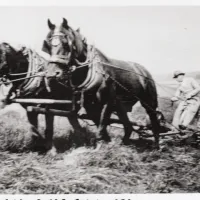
(151, 111)
(122, 114)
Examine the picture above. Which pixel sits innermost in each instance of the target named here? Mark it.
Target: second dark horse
(20, 67)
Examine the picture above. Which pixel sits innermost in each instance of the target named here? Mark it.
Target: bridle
(60, 59)
(72, 65)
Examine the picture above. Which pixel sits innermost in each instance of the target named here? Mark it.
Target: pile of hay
(17, 135)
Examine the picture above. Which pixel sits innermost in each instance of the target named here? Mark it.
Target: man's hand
(174, 99)
(188, 96)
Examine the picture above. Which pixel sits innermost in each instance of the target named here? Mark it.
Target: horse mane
(6, 48)
(82, 46)
(102, 55)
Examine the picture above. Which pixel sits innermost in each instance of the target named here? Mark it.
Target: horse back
(132, 76)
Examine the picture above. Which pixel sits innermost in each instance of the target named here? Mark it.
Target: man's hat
(177, 73)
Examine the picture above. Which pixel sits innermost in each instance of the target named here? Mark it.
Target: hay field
(110, 168)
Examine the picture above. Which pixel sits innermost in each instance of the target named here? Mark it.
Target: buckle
(72, 68)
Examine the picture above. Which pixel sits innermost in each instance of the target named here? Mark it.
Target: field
(77, 168)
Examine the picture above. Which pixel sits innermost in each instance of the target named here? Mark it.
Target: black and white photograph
(99, 99)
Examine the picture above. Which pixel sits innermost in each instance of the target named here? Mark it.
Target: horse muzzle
(53, 71)
(54, 75)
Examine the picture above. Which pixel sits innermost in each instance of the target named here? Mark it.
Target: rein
(19, 79)
(24, 73)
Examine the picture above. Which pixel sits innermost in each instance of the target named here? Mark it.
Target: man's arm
(196, 87)
(177, 95)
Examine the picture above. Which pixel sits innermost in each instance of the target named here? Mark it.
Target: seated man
(188, 94)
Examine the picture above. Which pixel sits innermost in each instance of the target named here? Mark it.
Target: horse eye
(65, 40)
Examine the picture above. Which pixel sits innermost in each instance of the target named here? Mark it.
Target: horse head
(5, 51)
(66, 47)
(12, 61)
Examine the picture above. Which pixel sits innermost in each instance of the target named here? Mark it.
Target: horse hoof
(52, 152)
(82, 113)
(93, 142)
(126, 142)
(104, 138)
(98, 146)
(48, 146)
(156, 146)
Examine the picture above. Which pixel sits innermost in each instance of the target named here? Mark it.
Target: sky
(161, 38)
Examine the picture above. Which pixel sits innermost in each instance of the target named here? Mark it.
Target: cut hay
(16, 133)
(111, 168)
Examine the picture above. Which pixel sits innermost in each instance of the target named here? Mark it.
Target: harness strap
(33, 81)
(60, 59)
(91, 71)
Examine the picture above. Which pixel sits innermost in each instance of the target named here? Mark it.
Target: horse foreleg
(122, 114)
(73, 120)
(105, 114)
(37, 138)
(155, 126)
(49, 118)
(106, 97)
(33, 119)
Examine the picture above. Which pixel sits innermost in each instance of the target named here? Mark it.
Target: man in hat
(188, 94)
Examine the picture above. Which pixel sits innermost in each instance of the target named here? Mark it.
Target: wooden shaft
(64, 113)
(51, 111)
(40, 101)
(67, 113)
(168, 134)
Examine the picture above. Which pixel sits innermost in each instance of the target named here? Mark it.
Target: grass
(109, 168)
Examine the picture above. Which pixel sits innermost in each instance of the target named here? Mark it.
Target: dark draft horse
(18, 66)
(103, 83)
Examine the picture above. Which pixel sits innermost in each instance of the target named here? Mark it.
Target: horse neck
(79, 75)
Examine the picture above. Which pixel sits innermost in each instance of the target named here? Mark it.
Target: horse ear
(78, 30)
(84, 40)
(65, 23)
(46, 47)
(51, 26)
